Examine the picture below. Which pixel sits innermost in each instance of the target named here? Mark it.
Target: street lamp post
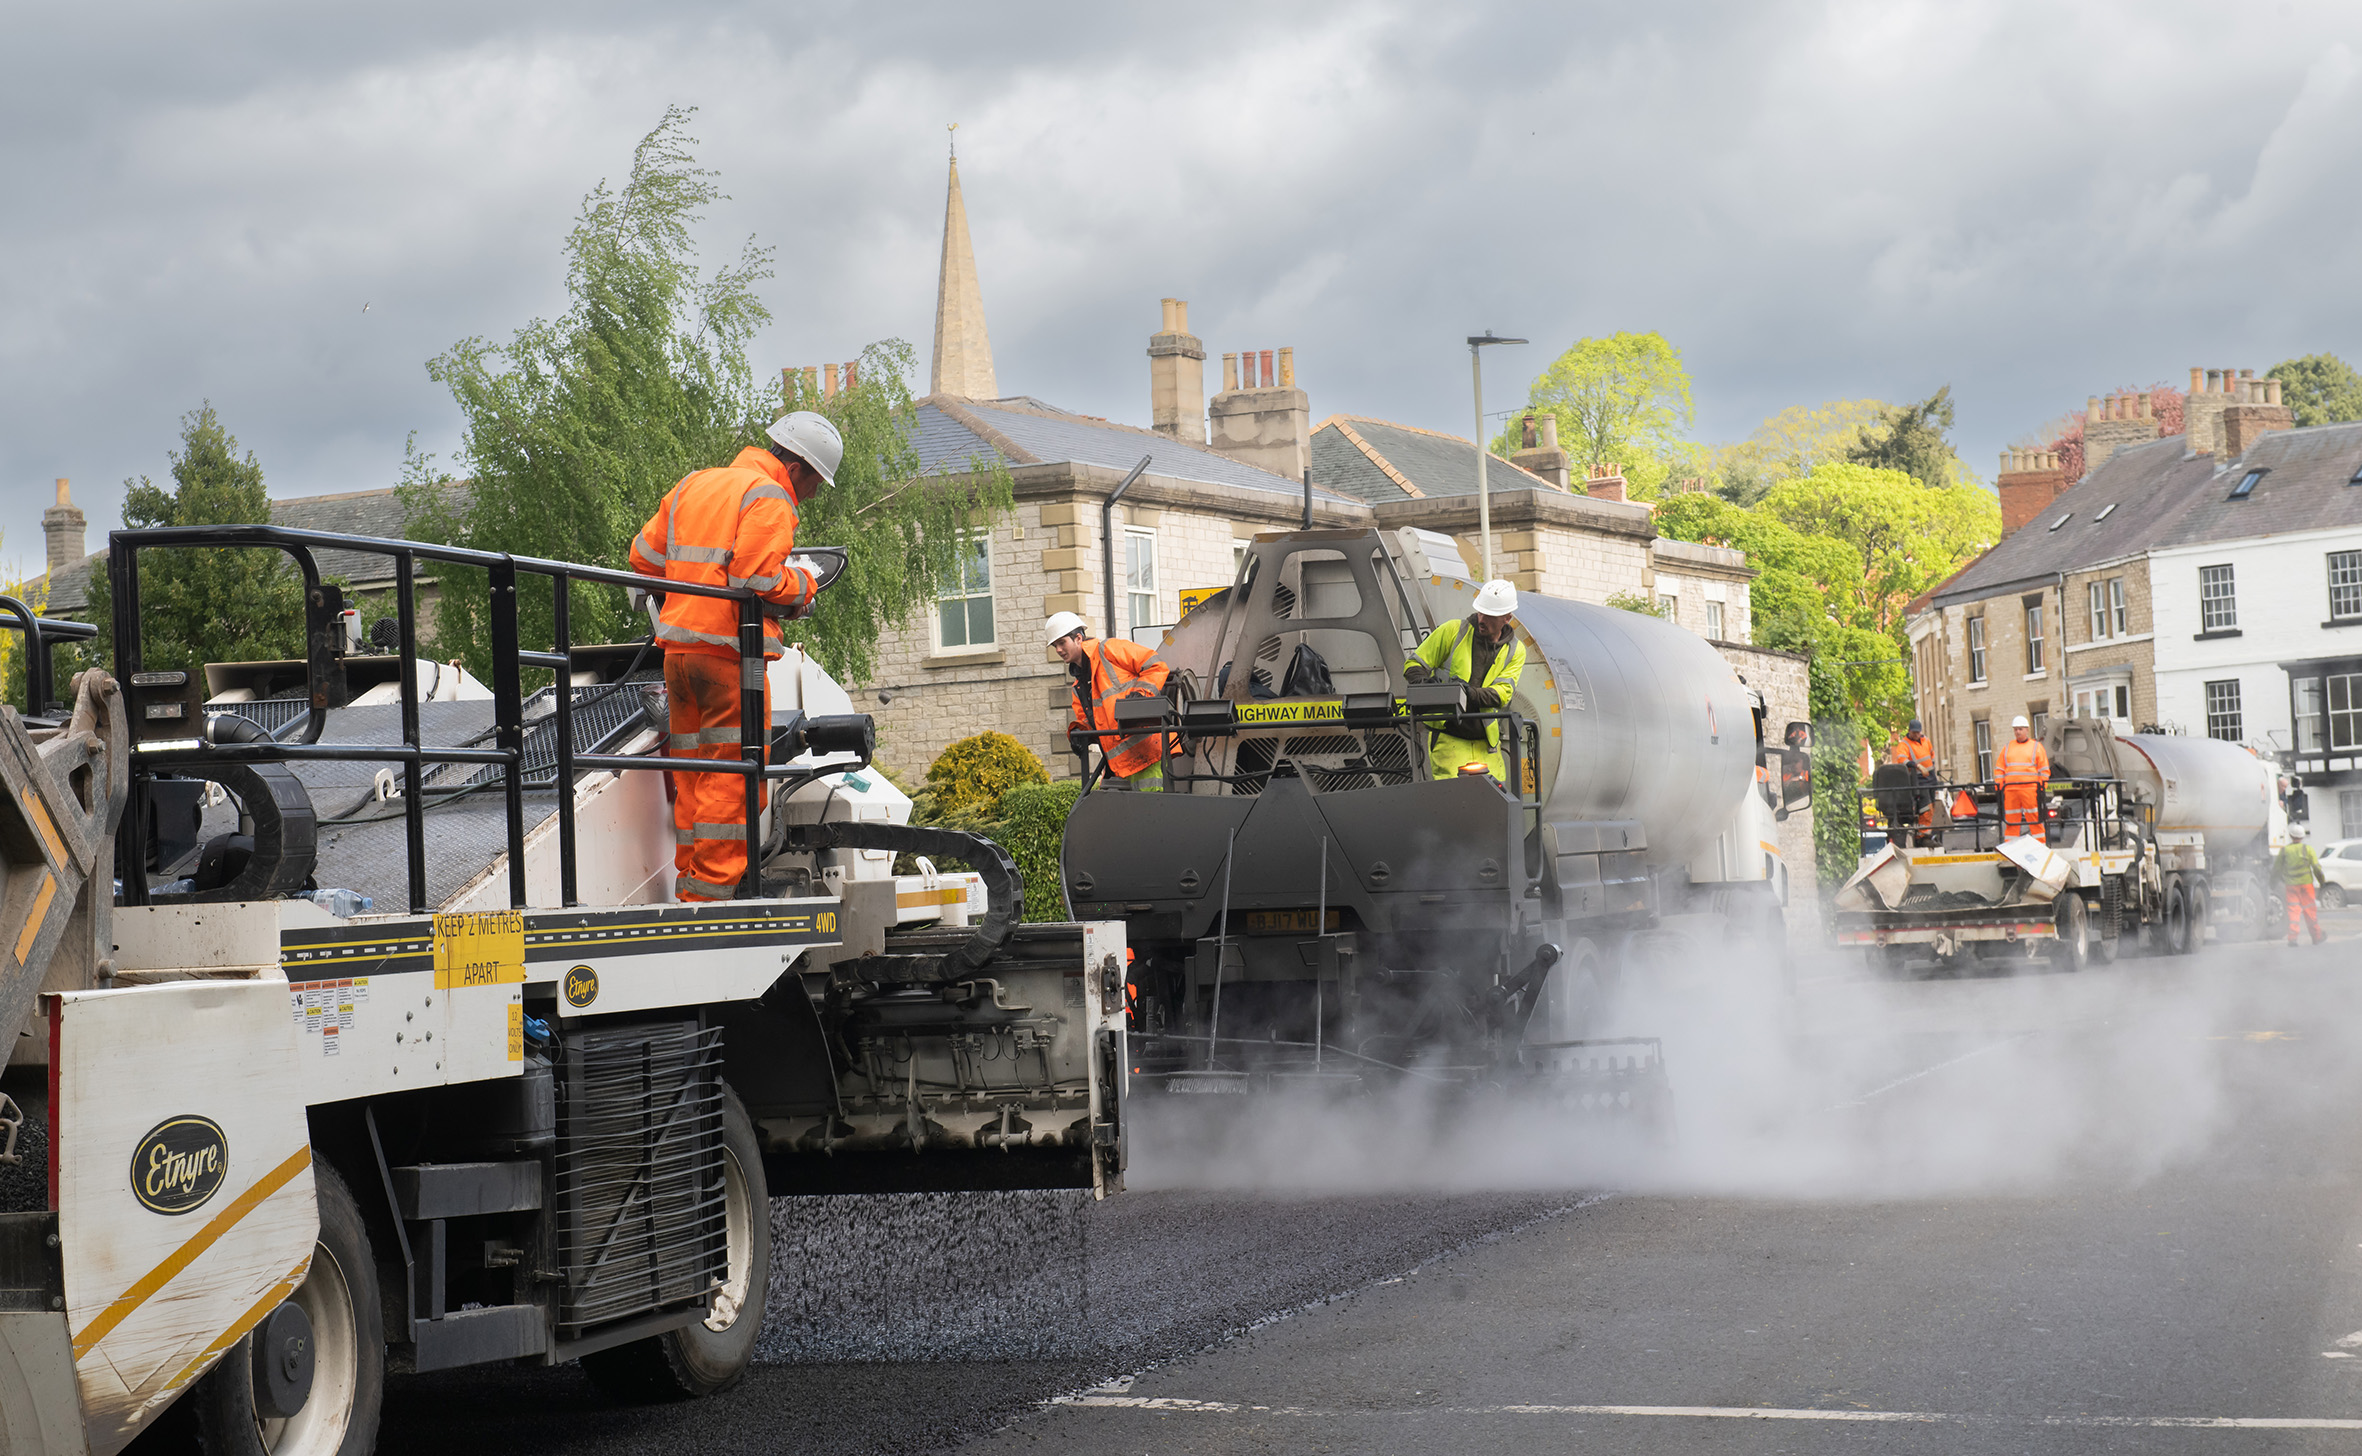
(1484, 499)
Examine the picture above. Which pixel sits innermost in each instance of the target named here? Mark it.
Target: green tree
(33, 591)
(1913, 442)
(1623, 399)
(575, 429)
(1909, 535)
(1796, 441)
(205, 604)
(2321, 389)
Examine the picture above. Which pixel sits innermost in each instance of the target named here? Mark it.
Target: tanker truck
(2147, 842)
(1306, 902)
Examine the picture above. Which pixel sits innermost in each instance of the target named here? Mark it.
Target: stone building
(2062, 616)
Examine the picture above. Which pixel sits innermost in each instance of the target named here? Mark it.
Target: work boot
(2292, 940)
(2318, 937)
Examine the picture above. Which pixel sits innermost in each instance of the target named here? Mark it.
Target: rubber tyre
(713, 1354)
(2333, 896)
(2196, 940)
(348, 1334)
(2176, 919)
(2071, 952)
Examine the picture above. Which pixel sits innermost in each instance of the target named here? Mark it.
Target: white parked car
(2341, 863)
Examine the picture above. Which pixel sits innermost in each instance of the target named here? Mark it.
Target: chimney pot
(1267, 376)
(1287, 368)
(2271, 396)
(2146, 406)
(828, 387)
(1229, 372)
(1180, 315)
(811, 379)
(1167, 326)
(1549, 432)
(852, 372)
(64, 496)
(1528, 437)
(2197, 379)
(2091, 408)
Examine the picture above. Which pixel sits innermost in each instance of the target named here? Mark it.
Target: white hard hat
(1060, 624)
(2297, 831)
(812, 439)
(1496, 598)
(2020, 722)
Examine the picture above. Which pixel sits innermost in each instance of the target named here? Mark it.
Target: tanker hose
(1004, 888)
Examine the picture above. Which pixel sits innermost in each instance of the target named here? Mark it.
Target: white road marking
(1866, 1097)
(2348, 1342)
(1732, 1412)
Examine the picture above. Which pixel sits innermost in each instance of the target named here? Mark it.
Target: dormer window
(2246, 485)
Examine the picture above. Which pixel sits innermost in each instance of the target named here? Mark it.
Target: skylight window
(2357, 480)
(2105, 511)
(2246, 485)
(2069, 516)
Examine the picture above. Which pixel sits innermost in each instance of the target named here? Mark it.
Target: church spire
(963, 351)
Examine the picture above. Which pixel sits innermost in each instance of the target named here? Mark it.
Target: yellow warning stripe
(48, 828)
(221, 1223)
(948, 895)
(246, 1321)
(32, 930)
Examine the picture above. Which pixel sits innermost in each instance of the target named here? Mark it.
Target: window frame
(1982, 731)
(2351, 714)
(2099, 612)
(1714, 621)
(1133, 593)
(2036, 637)
(2116, 611)
(969, 595)
(2352, 586)
(2218, 611)
(2224, 702)
(1976, 648)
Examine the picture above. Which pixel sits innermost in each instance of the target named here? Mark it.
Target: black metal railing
(509, 660)
(42, 636)
(1410, 717)
(2070, 812)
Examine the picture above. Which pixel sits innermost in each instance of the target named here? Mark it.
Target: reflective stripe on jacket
(731, 526)
(1917, 752)
(2021, 763)
(2299, 864)
(1450, 650)
(1119, 669)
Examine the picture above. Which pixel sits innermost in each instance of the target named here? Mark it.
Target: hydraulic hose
(1004, 888)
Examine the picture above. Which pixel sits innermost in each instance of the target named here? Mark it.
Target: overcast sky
(2032, 202)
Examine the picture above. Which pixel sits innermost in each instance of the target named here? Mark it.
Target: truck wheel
(712, 1354)
(339, 1299)
(2071, 952)
(2177, 919)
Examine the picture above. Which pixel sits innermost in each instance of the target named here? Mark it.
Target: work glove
(1416, 673)
(1080, 740)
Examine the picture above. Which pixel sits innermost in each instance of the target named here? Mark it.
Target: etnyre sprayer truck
(2145, 842)
(259, 1143)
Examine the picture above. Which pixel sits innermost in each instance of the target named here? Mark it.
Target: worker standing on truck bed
(2299, 865)
(731, 526)
(2021, 770)
(1483, 651)
(1914, 749)
(1103, 672)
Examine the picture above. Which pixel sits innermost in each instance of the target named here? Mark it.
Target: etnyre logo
(180, 1164)
(582, 987)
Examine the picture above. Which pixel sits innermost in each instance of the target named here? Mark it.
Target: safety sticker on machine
(479, 948)
(325, 1009)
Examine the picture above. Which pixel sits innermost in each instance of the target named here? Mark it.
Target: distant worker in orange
(1914, 749)
(2021, 771)
(2299, 868)
(1102, 672)
(731, 526)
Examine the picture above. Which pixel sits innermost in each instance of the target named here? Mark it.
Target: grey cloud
(1813, 201)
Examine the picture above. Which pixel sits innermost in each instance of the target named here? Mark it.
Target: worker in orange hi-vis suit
(730, 526)
(1914, 749)
(2021, 770)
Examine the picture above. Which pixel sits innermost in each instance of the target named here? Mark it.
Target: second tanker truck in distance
(2145, 842)
(1306, 901)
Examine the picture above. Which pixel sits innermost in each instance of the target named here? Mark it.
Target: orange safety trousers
(2021, 809)
(710, 833)
(2303, 903)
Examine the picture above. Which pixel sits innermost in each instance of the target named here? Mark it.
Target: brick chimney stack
(2029, 481)
(2255, 410)
(1605, 482)
(62, 524)
(1177, 377)
(1539, 452)
(1266, 424)
(2113, 423)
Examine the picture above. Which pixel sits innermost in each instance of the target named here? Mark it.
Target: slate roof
(352, 513)
(2308, 485)
(2152, 487)
(1033, 433)
(1435, 464)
